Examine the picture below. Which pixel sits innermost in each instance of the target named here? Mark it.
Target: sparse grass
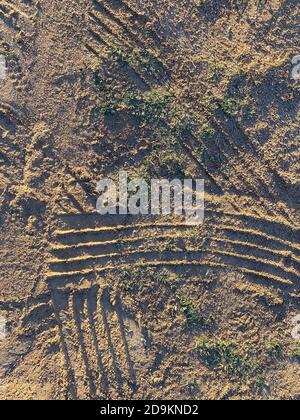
(150, 107)
(109, 107)
(295, 351)
(225, 70)
(233, 106)
(193, 388)
(99, 81)
(109, 103)
(194, 317)
(206, 133)
(275, 350)
(199, 3)
(138, 59)
(227, 356)
(165, 163)
(284, 350)
(169, 120)
(131, 277)
(172, 244)
(217, 69)
(181, 119)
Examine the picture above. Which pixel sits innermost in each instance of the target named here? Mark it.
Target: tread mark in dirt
(10, 121)
(103, 357)
(11, 13)
(263, 248)
(108, 28)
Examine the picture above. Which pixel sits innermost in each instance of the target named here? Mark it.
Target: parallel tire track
(108, 28)
(103, 361)
(252, 244)
(14, 14)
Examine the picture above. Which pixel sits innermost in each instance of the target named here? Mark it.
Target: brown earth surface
(145, 308)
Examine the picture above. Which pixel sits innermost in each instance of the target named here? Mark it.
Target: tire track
(249, 242)
(110, 14)
(101, 363)
(14, 15)
(112, 30)
(241, 259)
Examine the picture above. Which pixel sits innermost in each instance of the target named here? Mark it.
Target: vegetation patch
(194, 317)
(236, 363)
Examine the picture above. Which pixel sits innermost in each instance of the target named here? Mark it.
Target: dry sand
(196, 88)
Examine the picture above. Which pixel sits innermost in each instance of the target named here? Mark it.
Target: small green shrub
(138, 59)
(207, 132)
(109, 107)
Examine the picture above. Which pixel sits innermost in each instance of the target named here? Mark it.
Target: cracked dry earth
(91, 307)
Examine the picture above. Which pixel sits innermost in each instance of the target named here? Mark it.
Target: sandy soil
(100, 308)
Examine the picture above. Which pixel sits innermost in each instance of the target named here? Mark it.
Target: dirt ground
(135, 308)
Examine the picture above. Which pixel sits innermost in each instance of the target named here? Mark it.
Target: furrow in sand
(13, 9)
(91, 271)
(93, 311)
(118, 341)
(85, 261)
(102, 30)
(62, 277)
(77, 302)
(254, 248)
(112, 346)
(122, 228)
(214, 200)
(88, 245)
(105, 12)
(235, 259)
(252, 236)
(135, 20)
(76, 250)
(266, 222)
(60, 305)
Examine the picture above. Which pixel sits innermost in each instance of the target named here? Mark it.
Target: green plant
(146, 59)
(149, 107)
(217, 69)
(295, 351)
(193, 388)
(120, 54)
(109, 107)
(233, 106)
(171, 244)
(181, 119)
(130, 277)
(99, 81)
(199, 3)
(207, 132)
(137, 58)
(275, 350)
(227, 356)
(194, 317)
(166, 160)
